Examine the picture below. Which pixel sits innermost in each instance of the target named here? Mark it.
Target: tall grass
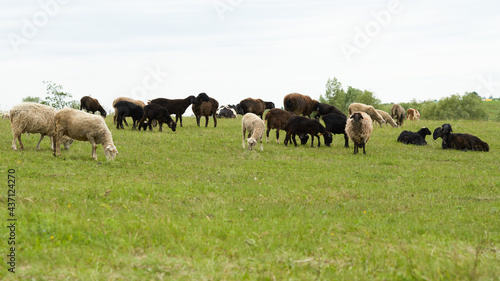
(193, 205)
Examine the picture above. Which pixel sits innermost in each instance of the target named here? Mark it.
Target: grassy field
(193, 205)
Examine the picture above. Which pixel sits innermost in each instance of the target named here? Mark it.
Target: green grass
(193, 205)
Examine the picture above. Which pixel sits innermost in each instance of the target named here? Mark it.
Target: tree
(334, 94)
(32, 99)
(57, 98)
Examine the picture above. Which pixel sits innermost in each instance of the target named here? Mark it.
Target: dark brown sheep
(298, 125)
(459, 141)
(324, 109)
(300, 104)
(156, 112)
(175, 106)
(276, 119)
(256, 106)
(90, 104)
(205, 106)
(398, 113)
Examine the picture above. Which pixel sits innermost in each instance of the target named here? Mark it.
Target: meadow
(194, 205)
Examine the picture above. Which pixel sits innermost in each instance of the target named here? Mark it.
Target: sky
(400, 50)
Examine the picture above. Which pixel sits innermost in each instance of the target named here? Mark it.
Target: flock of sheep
(65, 125)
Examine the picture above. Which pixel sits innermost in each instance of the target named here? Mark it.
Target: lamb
(137, 102)
(175, 106)
(256, 106)
(83, 126)
(125, 109)
(300, 104)
(157, 112)
(324, 109)
(398, 113)
(387, 118)
(205, 106)
(335, 124)
(255, 127)
(359, 127)
(297, 125)
(90, 104)
(418, 138)
(368, 109)
(459, 141)
(34, 118)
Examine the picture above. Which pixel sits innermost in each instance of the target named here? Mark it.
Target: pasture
(193, 205)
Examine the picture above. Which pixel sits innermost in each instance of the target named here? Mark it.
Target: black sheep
(335, 124)
(324, 109)
(418, 138)
(298, 125)
(128, 109)
(90, 104)
(156, 112)
(205, 106)
(175, 106)
(459, 141)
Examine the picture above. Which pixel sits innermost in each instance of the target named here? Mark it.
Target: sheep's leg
(244, 131)
(160, 126)
(287, 139)
(206, 121)
(294, 139)
(38, 144)
(94, 150)
(180, 119)
(267, 135)
(355, 148)
(346, 139)
(21, 146)
(261, 147)
(364, 152)
(278, 136)
(57, 140)
(215, 121)
(198, 117)
(14, 141)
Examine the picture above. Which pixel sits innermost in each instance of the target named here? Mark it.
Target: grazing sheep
(417, 138)
(269, 104)
(368, 109)
(205, 106)
(226, 111)
(324, 109)
(34, 118)
(359, 127)
(335, 124)
(413, 114)
(90, 104)
(276, 119)
(300, 104)
(83, 126)
(176, 106)
(459, 141)
(387, 118)
(5, 115)
(255, 127)
(256, 106)
(125, 109)
(297, 125)
(157, 112)
(398, 113)
(137, 102)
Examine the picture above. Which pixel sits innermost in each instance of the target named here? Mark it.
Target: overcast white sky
(234, 49)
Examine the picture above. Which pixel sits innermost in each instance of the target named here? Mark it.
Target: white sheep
(255, 127)
(358, 128)
(34, 118)
(368, 109)
(387, 118)
(84, 126)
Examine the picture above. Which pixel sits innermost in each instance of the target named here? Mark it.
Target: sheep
(255, 127)
(359, 127)
(300, 104)
(413, 114)
(398, 113)
(269, 104)
(368, 109)
(137, 102)
(5, 115)
(125, 109)
(90, 104)
(175, 106)
(324, 109)
(34, 118)
(302, 125)
(335, 124)
(276, 119)
(256, 106)
(157, 112)
(387, 118)
(205, 106)
(459, 141)
(418, 138)
(226, 111)
(83, 126)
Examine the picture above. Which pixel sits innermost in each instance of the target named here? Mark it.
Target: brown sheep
(256, 106)
(276, 119)
(398, 113)
(205, 106)
(90, 104)
(300, 104)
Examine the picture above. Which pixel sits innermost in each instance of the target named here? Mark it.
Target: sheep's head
(110, 151)
(192, 99)
(442, 131)
(425, 131)
(447, 129)
(202, 97)
(172, 125)
(251, 143)
(328, 138)
(356, 116)
(67, 142)
(303, 138)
